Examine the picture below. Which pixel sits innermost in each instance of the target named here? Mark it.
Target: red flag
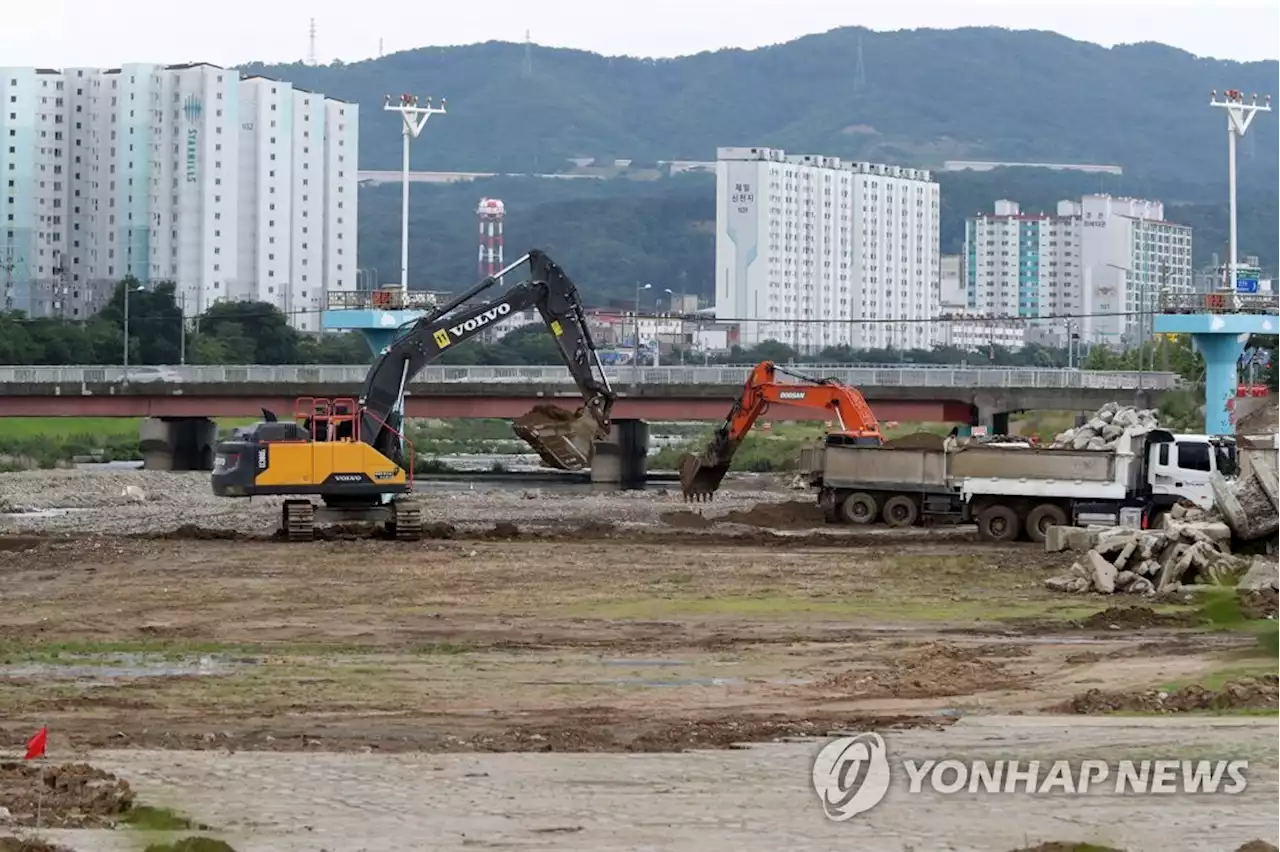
(35, 745)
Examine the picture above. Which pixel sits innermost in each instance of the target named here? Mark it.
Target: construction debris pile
(1105, 426)
(1192, 548)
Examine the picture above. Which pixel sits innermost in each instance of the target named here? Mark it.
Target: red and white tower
(491, 214)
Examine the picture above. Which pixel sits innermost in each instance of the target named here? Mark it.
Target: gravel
(101, 501)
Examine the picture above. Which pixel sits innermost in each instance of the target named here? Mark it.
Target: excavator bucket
(563, 439)
(700, 479)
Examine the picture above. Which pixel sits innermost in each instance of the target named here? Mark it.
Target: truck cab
(1181, 467)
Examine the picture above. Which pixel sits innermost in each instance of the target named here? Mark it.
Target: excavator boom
(562, 439)
(701, 474)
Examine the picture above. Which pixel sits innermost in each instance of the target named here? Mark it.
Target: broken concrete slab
(1057, 539)
(1102, 573)
(1262, 574)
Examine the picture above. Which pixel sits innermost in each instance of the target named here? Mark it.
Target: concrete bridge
(174, 395)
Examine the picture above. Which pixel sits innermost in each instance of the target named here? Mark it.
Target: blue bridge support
(1219, 338)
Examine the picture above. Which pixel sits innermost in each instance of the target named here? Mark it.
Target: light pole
(1239, 117)
(414, 115)
(182, 328)
(635, 342)
(127, 290)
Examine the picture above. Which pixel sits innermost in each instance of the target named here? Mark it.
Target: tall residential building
(815, 252)
(1097, 265)
(231, 188)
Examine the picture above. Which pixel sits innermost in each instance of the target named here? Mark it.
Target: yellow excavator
(352, 453)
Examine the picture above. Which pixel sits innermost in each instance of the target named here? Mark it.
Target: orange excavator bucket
(700, 476)
(562, 439)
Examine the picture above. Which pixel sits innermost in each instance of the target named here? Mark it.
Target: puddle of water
(38, 514)
(106, 667)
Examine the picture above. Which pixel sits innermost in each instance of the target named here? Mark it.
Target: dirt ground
(687, 632)
(583, 641)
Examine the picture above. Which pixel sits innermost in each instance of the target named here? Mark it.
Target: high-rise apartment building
(815, 252)
(1097, 265)
(231, 188)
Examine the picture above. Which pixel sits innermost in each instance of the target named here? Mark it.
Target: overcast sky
(62, 33)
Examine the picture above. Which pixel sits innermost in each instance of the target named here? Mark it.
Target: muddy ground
(531, 623)
(506, 640)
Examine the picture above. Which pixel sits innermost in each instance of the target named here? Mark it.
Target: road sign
(1245, 284)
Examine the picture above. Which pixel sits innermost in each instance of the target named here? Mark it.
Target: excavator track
(407, 523)
(298, 520)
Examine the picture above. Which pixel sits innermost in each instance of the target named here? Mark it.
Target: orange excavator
(701, 474)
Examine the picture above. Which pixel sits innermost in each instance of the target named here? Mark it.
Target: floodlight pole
(1239, 117)
(414, 113)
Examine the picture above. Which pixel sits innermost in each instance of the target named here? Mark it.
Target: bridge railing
(1221, 302)
(931, 376)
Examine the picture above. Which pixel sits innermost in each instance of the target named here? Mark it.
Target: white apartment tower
(815, 252)
(1097, 266)
(182, 173)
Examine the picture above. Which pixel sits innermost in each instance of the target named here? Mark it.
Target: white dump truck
(1014, 491)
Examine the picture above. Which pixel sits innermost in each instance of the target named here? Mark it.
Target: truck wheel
(1041, 518)
(859, 508)
(900, 511)
(998, 523)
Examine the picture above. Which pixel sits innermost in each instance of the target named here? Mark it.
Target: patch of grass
(919, 609)
(148, 818)
(442, 648)
(1219, 677)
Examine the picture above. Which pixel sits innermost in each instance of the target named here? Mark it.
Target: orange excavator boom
(701, 474)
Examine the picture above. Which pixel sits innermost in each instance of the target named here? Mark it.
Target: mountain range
(916, 97)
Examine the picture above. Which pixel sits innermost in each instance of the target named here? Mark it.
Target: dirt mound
(1248, 692)
(1119, 617)
(15, 543)
(191, 844)
(1263, 603)
(794, 515)
(73, 795)
(504, 529)
(438, 530)
(686, 520)
(198, 533)
(30, 844)
(929, 671)
(1258, 846)
(917, 441)
(595, 528)
(546, 411)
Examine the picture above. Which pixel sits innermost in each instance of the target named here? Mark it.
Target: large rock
(1102, 573)
(1057, 539)
(1262, 574)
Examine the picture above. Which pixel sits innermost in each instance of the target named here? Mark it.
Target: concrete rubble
(1192, 547)
(1105, 426)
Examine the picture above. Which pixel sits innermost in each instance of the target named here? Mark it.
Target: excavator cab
(701, 474)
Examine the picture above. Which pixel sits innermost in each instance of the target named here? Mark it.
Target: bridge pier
(177, 443)
(623, 459)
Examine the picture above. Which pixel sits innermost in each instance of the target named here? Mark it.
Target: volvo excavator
(701, 474)
(352, 453)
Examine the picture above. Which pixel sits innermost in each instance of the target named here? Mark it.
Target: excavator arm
(701, 474)
(561, 439)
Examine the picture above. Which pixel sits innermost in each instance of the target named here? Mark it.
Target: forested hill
(610, 234)
(923, 96)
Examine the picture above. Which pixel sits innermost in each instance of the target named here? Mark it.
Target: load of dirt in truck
(563, 439)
